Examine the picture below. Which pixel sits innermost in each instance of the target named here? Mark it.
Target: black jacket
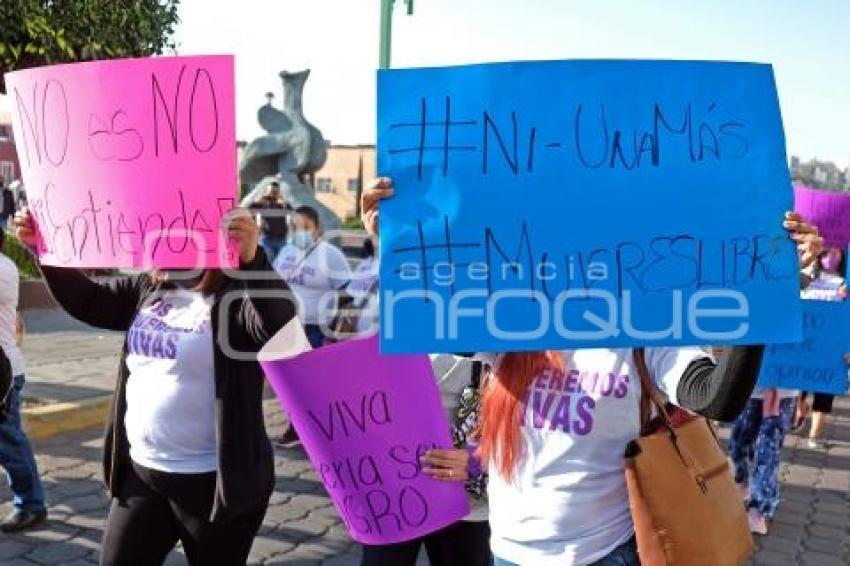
(245, 457)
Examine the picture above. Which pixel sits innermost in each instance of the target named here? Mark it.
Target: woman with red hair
(555, 424)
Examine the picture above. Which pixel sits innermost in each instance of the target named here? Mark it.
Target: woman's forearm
(108, 303)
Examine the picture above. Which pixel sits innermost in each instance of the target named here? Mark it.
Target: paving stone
(295, 485)
(56, 552)
(832, 507)
(46, 533)
(347, 559)
(830, 519)
(309, 501)
(76, 488)
(264, 547)
(279, 513)
(175, 559)
(790, 532)
(828, 532)
(12, 548)
(820, 559)
(80, 562)
(303, 529)
(781, 545)
(824, 545)
(771, 558)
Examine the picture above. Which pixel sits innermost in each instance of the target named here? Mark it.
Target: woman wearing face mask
(186, 452)
(829, 284)
(315, 271)
(554, 426)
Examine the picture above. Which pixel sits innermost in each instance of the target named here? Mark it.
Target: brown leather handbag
(685, 506)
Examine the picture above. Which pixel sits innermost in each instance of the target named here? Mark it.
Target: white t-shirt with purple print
(170, 418)
(568, 503)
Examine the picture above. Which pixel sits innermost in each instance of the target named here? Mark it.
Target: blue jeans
(624, 555)
(272, 245)
(17, 458)
(755, 448)
(315, 336)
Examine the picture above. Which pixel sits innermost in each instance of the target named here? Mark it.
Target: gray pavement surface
(301, 527)
(67, 361)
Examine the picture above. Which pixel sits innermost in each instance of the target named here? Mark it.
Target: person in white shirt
(555, 424)
(16, 454)
(363, 290)
(316, 271)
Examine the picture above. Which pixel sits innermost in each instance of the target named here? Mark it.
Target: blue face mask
(302, 239)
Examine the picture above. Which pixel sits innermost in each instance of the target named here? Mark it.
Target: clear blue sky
(807, 41)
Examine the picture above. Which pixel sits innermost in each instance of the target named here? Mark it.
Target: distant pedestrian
(316, 271)
(187, 456)
(273, 213)
(8, 205)
(755, 447)
(16, 454)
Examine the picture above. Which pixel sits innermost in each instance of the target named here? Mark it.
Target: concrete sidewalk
(71, 371)
(68, 361)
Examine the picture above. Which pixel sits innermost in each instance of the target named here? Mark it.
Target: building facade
(10, 169)
(337, 182)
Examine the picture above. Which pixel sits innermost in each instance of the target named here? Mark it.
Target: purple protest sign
(365, 420)
(828, 210)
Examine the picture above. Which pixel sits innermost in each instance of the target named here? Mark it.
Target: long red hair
(503, 407)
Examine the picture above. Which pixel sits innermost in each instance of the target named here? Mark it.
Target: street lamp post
(387, 30)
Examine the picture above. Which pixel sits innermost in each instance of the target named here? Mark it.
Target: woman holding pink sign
(187, 457)
(555, 424)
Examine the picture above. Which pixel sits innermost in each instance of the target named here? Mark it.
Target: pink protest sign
(128, 163)
(365, 420)
(828, 210)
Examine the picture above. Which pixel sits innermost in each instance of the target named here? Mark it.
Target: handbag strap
(301, 261)
(649, 397)
(649, 394)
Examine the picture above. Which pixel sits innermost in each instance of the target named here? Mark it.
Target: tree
(44, 32)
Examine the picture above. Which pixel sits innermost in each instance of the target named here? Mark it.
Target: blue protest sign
(569, 204)
(816, 363)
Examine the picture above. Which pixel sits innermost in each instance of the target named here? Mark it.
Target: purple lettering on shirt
(540, 413)
(609, 384)
(540, 382)
(584, 409)
(156, 346)
(561, 416)
(144, 344)
(622, 387)
(556, 382)
(171, 346)
(572, 384)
